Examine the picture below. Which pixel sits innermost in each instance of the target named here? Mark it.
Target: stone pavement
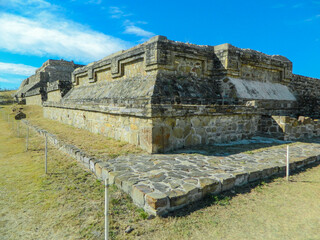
(160, 183)
(164, 182)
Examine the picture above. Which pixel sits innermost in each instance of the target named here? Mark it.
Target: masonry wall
(178, 132)
(134, 130)
(34, 100)
(54, 96)
(160, 134)
(306, 90)
(289, 128)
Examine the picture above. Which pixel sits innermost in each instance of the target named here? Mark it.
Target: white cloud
(5, 80)
(25, 5)
(95, 2)
(45, 35)
(138, 31)
(116, 12)
(16, 69)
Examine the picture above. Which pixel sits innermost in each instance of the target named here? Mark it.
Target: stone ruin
(164, 95)
(50, 82)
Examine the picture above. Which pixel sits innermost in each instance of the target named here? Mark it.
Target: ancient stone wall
(253, 65)
(180, 132)
(34, 100)
(134, 130)
(54, 96)
(181, 94)
(306, 90)
(289, 128)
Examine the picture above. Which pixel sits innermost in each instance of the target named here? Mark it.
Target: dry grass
(72, 202)
(6, 97)
(94, 144)
(68, 203)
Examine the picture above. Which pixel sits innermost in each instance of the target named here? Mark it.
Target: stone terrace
(161, 183)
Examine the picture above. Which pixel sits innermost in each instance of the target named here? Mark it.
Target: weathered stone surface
(53, 75)
(157, 200)
(139, 192)
(164, 95)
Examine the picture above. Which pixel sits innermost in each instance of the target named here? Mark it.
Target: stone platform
(160, 183)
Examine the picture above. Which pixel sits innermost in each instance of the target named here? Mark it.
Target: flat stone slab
(164, 182)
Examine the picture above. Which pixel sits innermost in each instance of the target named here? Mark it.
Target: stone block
(138, 194)
(254, 175)
(209, 186)
(157, 200)
(177, 198)
(241, 178)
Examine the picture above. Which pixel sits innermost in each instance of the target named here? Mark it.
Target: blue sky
(32, 31)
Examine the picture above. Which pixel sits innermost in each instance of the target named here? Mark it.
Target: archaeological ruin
(164, 95)
(50, 82)
(186, 101)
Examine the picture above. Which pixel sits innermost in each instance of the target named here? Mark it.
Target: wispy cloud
(23, 3)
(311, 19)
(98, 2)
(116, 12)
(16, 69)
(131, 29)
(3, 80)
(46, 35)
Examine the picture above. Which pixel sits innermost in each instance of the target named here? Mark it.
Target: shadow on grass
(223, 199)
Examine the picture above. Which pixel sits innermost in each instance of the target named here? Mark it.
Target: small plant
(221, 200)
(142, 213)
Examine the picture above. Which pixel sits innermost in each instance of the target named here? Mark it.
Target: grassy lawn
(68, 202)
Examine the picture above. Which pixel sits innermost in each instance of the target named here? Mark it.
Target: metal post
(288, 165)
(18, 128)
(106, 209)
(46, 151)
(27, 138)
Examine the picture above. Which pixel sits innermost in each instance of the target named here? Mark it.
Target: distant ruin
(164, 95)
(50, 82)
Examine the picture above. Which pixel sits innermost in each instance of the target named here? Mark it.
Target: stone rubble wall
(289, 128)
(180, 132)
(306, 90)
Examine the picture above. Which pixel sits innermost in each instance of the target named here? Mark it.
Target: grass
(68, 203)
(6, 97)
(94, 144)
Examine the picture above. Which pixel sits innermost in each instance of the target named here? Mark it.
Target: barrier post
(288, 163)
(46, 152)
(106, 209)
